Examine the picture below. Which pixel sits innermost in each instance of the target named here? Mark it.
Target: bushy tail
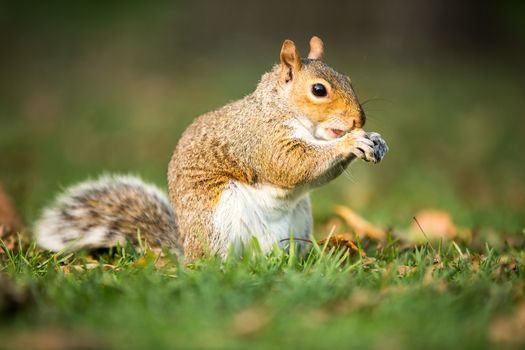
(111, 209)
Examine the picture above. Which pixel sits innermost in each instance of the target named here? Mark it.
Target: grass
(439, 296)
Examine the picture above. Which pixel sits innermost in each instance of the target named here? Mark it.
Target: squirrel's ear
(290, 61)
(316, 48)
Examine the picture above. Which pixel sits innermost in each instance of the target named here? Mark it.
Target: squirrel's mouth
(330, 133)
(334, 128)
(335, 133)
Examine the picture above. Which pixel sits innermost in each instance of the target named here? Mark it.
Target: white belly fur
(265, 212)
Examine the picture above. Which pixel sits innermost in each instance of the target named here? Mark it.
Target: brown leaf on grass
(359, 224)
(437, 262)
(507, 266)
(476, 260)
(10, 223)
(509, 329)
(432, 224)
(340, 241)
(367, 261)
(89, 266)
(9, 220)
(7, 239)
(141, 262)
(405, 270)
(91, 263)
(163, 262)
(152, 258)
(11, 240)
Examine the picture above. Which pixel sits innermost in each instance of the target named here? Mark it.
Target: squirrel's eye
(319, 90)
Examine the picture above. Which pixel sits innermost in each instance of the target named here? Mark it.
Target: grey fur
(105, 211)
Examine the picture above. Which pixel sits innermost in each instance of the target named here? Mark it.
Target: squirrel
(241, 172)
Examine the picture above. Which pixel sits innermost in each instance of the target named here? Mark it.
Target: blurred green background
(96, 87)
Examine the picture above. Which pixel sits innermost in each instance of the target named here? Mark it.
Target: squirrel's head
(318, 92)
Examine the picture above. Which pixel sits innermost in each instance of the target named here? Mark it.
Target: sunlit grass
(433, 296)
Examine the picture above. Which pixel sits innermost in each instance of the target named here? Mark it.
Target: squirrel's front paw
(380, 146)
(368, 146)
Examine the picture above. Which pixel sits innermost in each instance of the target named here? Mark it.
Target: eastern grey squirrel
(242, 171)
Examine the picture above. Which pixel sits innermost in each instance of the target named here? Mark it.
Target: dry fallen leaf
(10, 223)
(368, 261)
(359, 224)
(476, 260)
(141, 262)
(507, 265)
(405, 270)
(9, 240)
(432, 224)
(9, 219)
(69, 268)
(342, 240)
(437, 262)
(158, 260)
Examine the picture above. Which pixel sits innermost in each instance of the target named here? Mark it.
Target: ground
(427, 296)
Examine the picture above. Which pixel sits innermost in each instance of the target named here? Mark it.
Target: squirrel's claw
(369, 146)
(380, 146)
